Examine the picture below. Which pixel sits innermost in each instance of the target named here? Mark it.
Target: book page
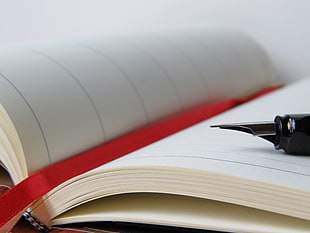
(67, 97)
(181, 211)
(234, 153)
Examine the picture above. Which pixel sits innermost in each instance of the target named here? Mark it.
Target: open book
(60, 99)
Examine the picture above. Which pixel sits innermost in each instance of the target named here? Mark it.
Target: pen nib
(265, 130)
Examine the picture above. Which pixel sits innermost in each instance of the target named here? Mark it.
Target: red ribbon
(34, 187)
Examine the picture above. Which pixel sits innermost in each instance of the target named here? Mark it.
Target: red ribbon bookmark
(34, 187)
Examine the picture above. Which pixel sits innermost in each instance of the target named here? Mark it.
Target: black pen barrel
(293, 133)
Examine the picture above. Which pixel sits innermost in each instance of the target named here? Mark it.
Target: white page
(79, 95)
(230, 152)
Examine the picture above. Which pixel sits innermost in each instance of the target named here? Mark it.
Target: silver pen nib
(266, 130)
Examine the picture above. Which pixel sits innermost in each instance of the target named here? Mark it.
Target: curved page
(66, 97)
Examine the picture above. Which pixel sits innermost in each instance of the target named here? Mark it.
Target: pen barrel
(293, 133)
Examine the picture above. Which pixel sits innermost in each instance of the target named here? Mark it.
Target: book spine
(36, 223)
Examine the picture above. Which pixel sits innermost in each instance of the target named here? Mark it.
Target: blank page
(67, 97)
(234, 153)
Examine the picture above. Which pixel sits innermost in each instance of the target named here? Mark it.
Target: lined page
(231, 152)
(67, 97)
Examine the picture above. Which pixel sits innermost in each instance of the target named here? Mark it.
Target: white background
(281, 26)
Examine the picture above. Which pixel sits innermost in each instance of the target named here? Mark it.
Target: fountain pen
(290, 132)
